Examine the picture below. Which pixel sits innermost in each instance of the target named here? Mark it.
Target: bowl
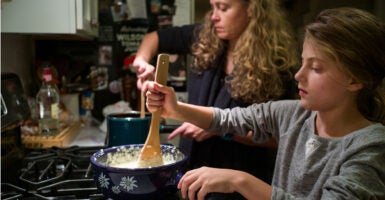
(137, 183)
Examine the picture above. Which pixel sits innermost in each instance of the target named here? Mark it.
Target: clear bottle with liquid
(47, 100)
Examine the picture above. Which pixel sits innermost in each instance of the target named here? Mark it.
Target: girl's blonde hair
(264, 57)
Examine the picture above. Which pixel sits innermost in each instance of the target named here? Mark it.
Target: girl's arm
(163, 97)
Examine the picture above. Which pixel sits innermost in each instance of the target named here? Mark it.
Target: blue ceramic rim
(128, 170)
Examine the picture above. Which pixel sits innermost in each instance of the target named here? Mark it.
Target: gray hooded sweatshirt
(309, 166)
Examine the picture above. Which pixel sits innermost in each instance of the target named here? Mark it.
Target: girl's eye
(315, 68)
(311, 66)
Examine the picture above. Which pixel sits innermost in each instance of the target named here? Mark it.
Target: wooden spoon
(151, 154)
(142, 102)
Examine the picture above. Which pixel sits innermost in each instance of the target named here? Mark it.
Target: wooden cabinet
(73, 17)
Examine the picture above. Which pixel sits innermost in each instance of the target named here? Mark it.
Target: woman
(243, 53)
(331, 141)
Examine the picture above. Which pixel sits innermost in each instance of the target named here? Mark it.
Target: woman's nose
(214, 16)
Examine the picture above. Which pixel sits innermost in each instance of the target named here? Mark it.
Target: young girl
(331, 141)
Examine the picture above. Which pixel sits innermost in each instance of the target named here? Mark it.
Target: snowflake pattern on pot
(103, 181)
(128, 183)
(115, 189)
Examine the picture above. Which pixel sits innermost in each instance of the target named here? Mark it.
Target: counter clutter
(62, 139)
(81, 135)
(75, 130)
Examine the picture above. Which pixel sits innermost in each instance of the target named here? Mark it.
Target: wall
(17, 56)
(201, 7)
(300, 11)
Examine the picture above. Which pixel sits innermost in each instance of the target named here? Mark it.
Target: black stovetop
(59, 173)
(52, 173)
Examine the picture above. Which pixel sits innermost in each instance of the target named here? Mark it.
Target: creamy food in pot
(134, 164)
(128, 157)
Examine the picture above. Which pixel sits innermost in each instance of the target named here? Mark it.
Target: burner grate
(54, 173)
(70, 189)
(45, 170)
(10, 191)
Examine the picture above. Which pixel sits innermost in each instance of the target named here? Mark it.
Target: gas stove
(53, 173)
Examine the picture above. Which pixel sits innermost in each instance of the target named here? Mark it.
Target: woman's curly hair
(264, 56)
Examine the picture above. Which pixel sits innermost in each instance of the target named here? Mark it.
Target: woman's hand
(187, 130)
(144, 71)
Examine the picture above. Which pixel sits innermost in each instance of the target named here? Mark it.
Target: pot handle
(4, 110)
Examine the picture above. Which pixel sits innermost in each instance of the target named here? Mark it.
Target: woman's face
(322, 86)
(230, 18)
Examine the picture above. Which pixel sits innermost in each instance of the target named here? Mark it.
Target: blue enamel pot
(137, 183)
(130, 128)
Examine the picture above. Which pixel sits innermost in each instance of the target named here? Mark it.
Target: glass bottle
(48, 99)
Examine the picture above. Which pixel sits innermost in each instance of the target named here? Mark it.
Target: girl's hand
(144, 71)
(160, 97)
(187, 130)
(199, 182)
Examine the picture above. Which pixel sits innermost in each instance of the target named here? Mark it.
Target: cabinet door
(87, 17)
(50, 17)
(38, 16)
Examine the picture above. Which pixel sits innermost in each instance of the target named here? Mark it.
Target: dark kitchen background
(106, 58)
(92, 55)
(100, 63)
(76, 58)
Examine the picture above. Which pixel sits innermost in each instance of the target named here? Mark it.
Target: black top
(209, 89)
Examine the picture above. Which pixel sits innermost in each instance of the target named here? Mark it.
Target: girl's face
(230, 18)
(322, 86)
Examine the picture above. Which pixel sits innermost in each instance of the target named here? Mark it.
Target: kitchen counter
(90, 136)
